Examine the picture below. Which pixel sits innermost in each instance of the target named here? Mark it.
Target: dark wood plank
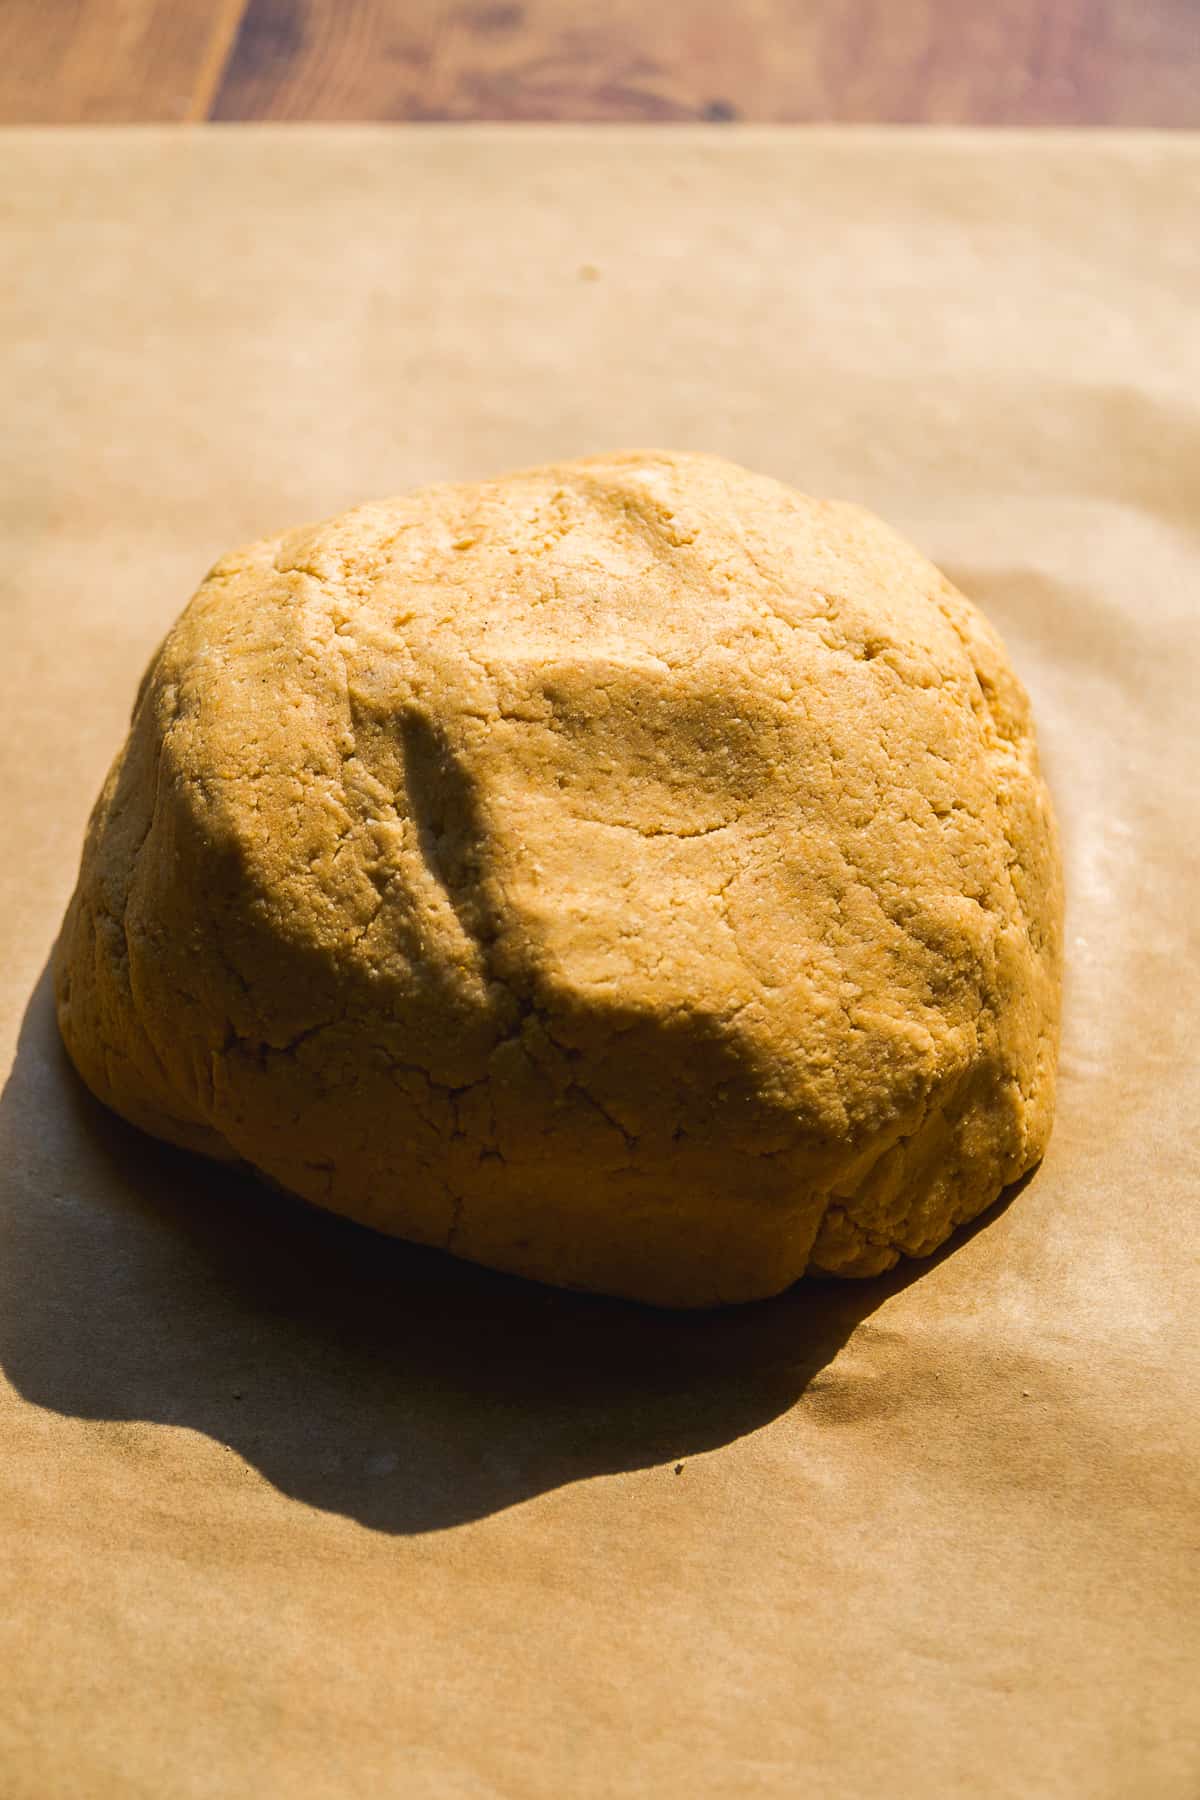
(112, 61)
(1012, 62)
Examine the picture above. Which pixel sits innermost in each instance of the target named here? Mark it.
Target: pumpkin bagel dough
(630, 873)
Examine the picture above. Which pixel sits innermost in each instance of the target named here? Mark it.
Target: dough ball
(631, 873)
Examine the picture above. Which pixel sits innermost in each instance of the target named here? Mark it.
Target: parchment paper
(289, 1510)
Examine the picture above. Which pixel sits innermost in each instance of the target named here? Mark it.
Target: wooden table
(1006, 62)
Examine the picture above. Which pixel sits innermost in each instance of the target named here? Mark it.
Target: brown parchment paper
(289, 1510)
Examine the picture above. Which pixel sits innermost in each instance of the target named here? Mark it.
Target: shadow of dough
(358, 1374)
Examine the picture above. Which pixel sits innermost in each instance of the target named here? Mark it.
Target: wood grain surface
(1007, 62)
